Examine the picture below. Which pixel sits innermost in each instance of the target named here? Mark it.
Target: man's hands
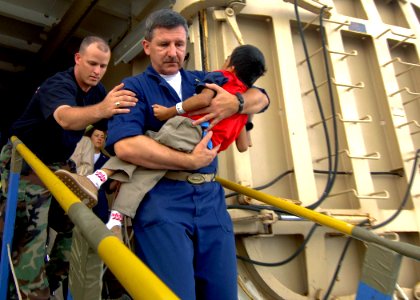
(118, 101)
(202, 156)
(222, 106)
(77, 118)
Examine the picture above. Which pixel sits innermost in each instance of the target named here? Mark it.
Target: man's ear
(146, 46)
(77, 57)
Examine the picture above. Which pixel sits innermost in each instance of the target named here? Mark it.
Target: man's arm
(77, 118)
(225, 104)
(191, 104)
(144, 151)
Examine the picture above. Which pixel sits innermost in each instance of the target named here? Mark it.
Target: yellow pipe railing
(355, 231)
(139, 281)
(130, 271)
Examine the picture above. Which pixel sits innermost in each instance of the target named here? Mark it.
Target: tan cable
(12, 269)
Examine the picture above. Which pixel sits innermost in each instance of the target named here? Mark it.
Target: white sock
(98, 178)
(115, 219)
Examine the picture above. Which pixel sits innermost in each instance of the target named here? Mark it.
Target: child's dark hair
(249, 63)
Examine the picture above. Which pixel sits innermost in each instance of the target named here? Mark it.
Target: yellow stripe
(290, 207)
(61, 192)
(132, 273)
(135, 276)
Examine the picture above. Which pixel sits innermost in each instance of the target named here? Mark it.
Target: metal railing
(139, 281)
(357, 232)
(126, 267)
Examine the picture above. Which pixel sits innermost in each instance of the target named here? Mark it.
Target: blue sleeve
(126, 125)
(212, 77)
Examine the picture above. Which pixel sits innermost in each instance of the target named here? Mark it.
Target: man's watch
(241, 102)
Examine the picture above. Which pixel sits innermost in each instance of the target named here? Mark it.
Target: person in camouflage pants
(51, 125)
(31, 230)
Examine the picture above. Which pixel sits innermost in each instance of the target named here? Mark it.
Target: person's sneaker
(81, 186)
(117, 231)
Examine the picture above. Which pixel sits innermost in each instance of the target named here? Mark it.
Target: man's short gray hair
(164, 18)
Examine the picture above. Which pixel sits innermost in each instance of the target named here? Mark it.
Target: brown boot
(81, 186)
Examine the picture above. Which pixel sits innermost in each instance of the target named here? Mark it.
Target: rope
(12, 269)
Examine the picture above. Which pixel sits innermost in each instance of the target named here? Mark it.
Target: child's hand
(161, 112)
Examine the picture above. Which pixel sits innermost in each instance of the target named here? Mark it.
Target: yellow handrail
(129, 270)
(355, 231)
(139, 281)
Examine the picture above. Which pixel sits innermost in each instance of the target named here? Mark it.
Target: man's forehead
(166, 33)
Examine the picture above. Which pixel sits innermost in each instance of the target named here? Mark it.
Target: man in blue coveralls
(182, 229)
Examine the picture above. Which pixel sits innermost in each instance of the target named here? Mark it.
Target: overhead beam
(10, 67)
(122, 10)
(130, 46)
(14, 42)
(26, 15)
(312, 6)
(68, 24)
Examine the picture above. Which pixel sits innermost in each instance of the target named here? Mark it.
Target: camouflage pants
(30, 236)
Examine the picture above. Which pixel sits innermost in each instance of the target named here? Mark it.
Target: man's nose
(172, 50)
(97, 69)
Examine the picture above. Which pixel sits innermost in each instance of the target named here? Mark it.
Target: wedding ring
(117, 104)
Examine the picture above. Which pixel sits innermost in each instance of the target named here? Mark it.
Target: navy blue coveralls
(182, 231)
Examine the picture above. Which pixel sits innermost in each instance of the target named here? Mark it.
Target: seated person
(240, 71)
(89, 156)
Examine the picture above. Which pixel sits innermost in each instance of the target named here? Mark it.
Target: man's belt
(193, 178)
